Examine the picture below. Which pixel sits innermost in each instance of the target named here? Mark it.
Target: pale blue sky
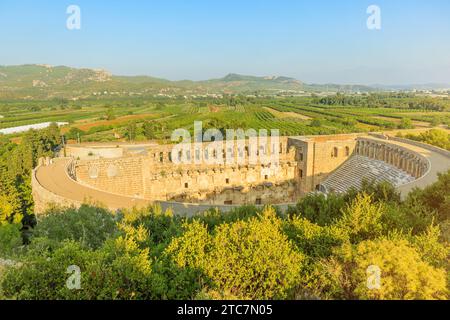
(314, 41)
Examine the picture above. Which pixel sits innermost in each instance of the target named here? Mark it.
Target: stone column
(416, 168)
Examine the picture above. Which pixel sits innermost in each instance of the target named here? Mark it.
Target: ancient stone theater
(120, 176)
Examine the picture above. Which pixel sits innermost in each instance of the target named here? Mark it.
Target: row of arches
(335, 152)
(405, 160)
(198, 154)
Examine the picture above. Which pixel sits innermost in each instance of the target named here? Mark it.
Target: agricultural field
(139, 119)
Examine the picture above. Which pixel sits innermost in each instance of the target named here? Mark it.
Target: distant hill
(45, 76)
(409, 87)
(44, 81)
(236, 83)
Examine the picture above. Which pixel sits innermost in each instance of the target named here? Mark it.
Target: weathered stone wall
(187, 175)
(78, 152)
(244, 186)
(159, 177)
(317, 157)
(302, 164)
(120, 176)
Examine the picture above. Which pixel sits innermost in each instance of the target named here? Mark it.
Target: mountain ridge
(46, 81)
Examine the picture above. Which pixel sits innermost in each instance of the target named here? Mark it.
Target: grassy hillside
(43, 82)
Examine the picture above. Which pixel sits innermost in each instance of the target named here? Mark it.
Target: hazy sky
(314, 41)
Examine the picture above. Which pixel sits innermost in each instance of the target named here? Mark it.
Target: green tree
(16, 164)
(10, 239)
(110, 114)
(318, 208)
(435, 137)
(75, 133)
(362, 218)
(246, 259)
(131, 131)
(314, 240)
(406, 123)
(435, 197)
(89, 226)
(404, 275)
(149, 130)
(316, 123)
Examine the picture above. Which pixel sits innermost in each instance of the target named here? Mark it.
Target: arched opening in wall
(227, 181)
(335, 153)
(300, 156)
(266, 177)
(281, 148)
(264, 149)
(300, 173)
(197, 155)
(347, 151)
(161, 157)
(230, 152)
(111, 171)
(93, 172)
(186, 185)
(258, 201)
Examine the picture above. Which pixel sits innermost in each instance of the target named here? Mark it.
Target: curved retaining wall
(44, 198)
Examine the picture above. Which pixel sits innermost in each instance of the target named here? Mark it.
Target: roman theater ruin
(132, 175)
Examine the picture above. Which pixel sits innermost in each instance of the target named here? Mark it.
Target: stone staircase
(357, 168)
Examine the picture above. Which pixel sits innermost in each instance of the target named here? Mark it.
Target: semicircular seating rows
(359, 168)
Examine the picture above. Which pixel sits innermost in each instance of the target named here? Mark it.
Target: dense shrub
(435, 137)
(10, 239)
(314, 240)
(379, 191)
(247, 259)
(320, 250)
(362, 219)
(404, 274)
(435, 197)
(90, 226)
(319, 208)
(45, 278)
